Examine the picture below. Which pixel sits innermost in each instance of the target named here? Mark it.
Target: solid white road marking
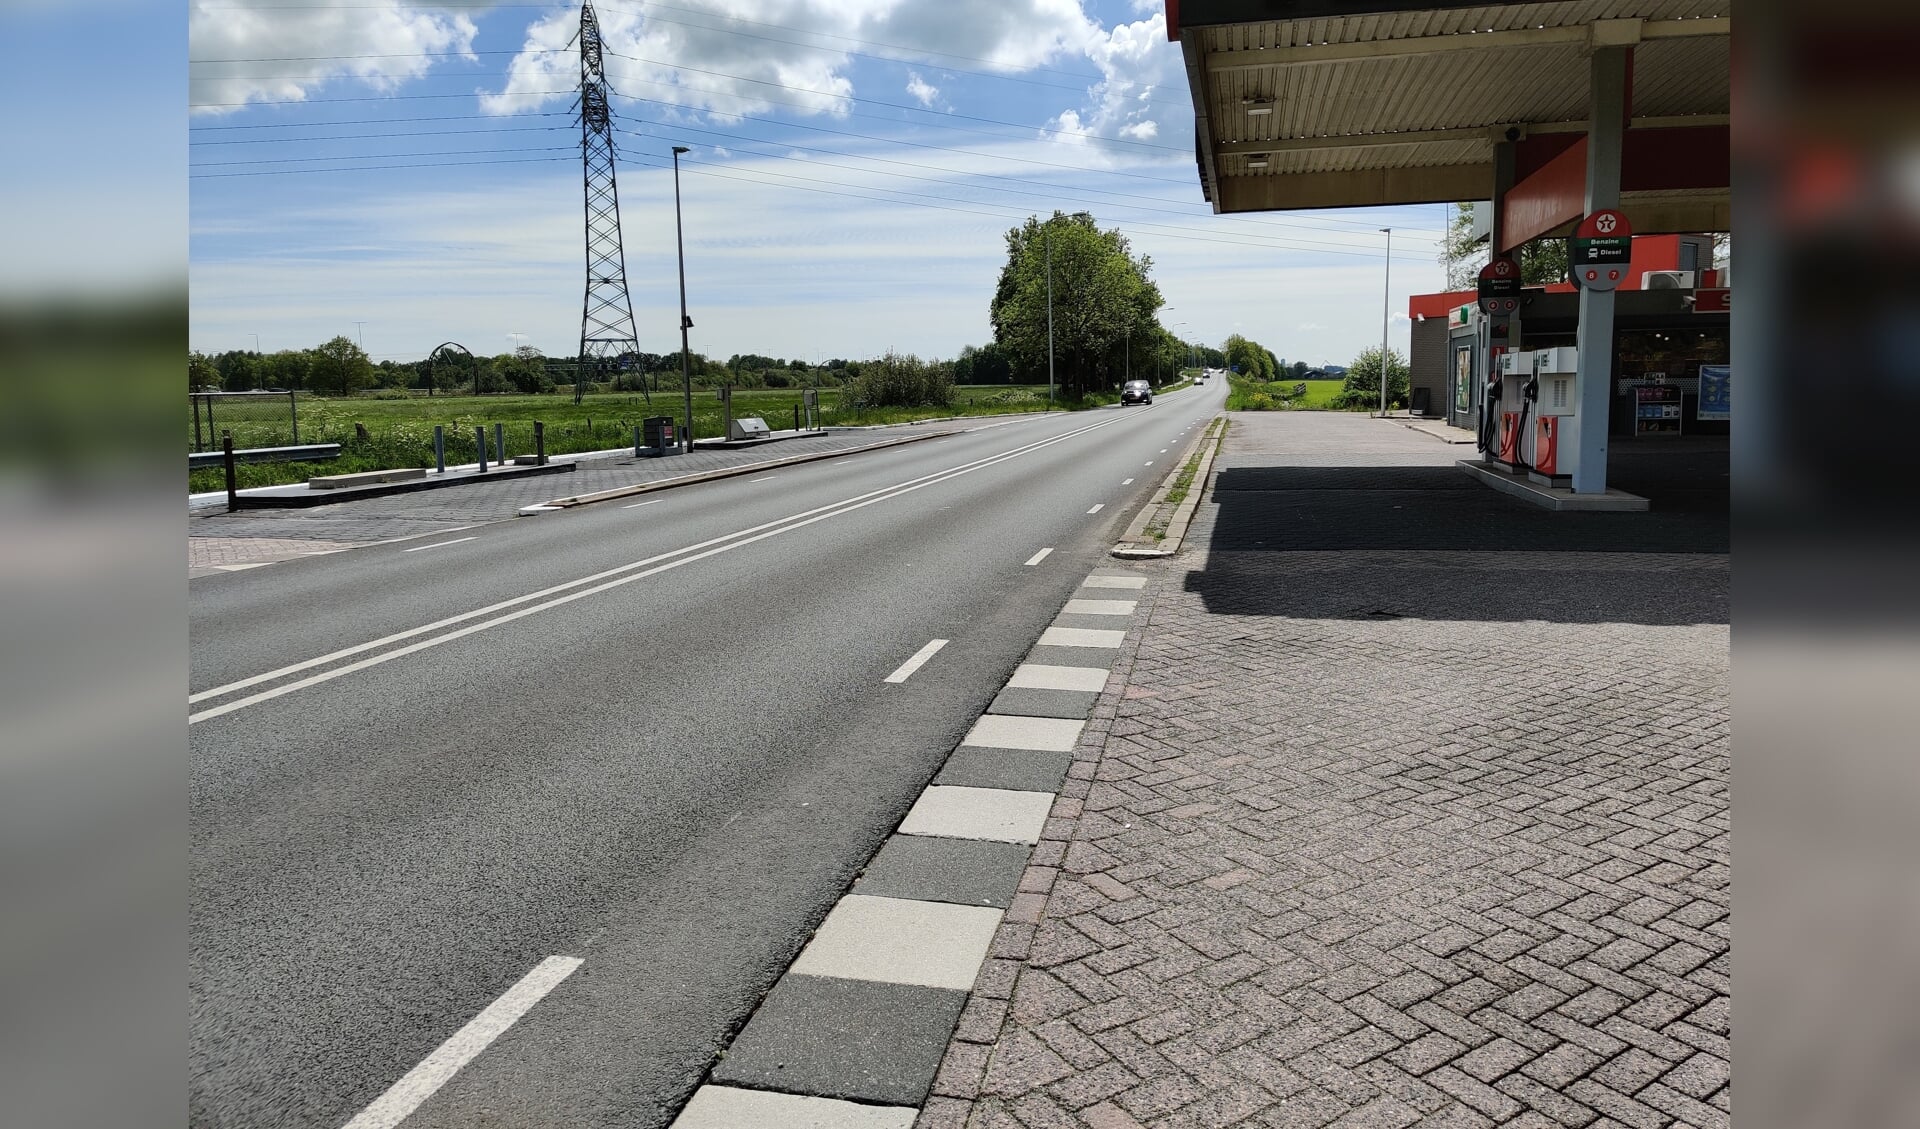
(406, 1095)
(1081, 637)
(648, 502)
(768, 478)
(1038, 557)
(700, 551)
(918, 660)
(440, 545)
(1099, 607)
(1036, 734)
(1098, 506)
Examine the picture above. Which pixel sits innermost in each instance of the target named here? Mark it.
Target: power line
(374, 168)
(378, 136)
(381, 121)
(378, 156)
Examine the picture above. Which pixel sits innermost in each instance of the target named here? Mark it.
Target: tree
(343, 365)
(201, 374)
(1362, 387)
(1542, 261)
(1250, 358)
(526, 369)
(1103, 299)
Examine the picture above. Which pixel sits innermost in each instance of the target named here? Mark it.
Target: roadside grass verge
(1183, 483)
(385, 433)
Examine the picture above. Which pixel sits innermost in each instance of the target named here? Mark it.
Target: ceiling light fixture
(1257, 161)
(1257, 107)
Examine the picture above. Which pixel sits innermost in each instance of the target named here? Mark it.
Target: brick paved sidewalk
(1381, 836)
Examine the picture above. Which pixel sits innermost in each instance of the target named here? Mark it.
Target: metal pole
(480, 445)
(686, 323)
(439, 448)
(199, 444)
(1049, 242)
(1386, 306)
(500, 443)
(233, 478)
(539, 443)
(293, 407)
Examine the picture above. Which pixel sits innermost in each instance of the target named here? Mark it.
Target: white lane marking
(1163, 450)
(1097, 507)
(1126, 482)
(648, 502)
(1149, 462)
(918, 660)
(244, 567)
(1039, 556)
(440, 545)
(420, 1083)
(721, 544)
(768, 478)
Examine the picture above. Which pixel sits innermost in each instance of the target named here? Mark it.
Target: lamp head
(681, 149)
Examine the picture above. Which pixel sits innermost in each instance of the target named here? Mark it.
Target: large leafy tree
(343, 365)
(1103, 302)
(1542, 261)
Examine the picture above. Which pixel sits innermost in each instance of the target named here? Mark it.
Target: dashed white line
(767, 478)
(440, 544)
(1038, 557)
(648, 502)
(1126, 482)
(420, 1083)
(1149, 462)
(1163, 450)
(1097, 507)
(918, 660)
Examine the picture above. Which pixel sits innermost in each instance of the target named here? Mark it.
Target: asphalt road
(654, 737)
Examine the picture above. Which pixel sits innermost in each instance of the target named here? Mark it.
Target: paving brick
(1352, 863)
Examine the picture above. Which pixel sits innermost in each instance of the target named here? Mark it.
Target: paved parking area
(1407, 804)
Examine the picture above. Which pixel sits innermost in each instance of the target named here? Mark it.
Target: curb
(558, 504)
(1134, 544)
(923, 946)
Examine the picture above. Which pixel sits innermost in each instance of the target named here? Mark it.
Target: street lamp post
(1049, 241)
(1386, 307)
(686, 323)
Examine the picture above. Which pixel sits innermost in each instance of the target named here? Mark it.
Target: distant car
(1136, 392)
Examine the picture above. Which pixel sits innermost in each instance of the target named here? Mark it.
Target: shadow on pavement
(1427, 542)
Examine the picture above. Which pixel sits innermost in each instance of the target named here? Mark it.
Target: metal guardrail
(309, 452)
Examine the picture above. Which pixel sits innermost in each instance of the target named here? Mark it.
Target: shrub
(902, 381)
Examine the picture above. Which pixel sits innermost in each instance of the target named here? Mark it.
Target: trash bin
(658, 435)
(1422, 401)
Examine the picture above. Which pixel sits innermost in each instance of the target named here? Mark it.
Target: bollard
(539, 443)
(636, 442)
(480, 445)
(233, 479)
(439, 448)
(796, 417)
(500, 443)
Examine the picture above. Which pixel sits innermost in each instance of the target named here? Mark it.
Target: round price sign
(1500, 287)
(1601, 250)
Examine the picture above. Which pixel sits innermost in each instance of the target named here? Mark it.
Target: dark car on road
(1136, 392)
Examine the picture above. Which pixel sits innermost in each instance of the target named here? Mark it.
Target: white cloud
(723, 57)
(1142, 93)
(256, 51)
(922, 91)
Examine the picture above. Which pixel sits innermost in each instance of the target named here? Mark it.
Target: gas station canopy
(1352, 103)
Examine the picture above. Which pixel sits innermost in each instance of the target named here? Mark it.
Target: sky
(408, 173)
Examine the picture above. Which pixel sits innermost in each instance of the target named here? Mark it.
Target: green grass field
(399, 432)
(1256, 396)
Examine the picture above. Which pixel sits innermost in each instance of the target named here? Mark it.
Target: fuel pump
(1513, 425)
(1556, 437)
